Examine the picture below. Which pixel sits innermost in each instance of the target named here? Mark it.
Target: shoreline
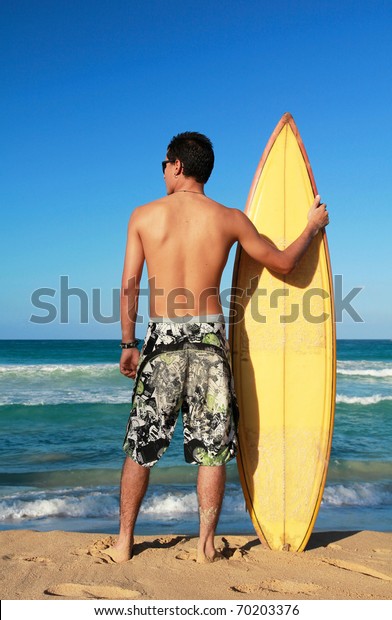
(56, 565)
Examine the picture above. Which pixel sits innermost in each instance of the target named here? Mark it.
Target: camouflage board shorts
(184, 366)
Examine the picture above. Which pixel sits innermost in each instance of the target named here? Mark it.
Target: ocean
(63, 412)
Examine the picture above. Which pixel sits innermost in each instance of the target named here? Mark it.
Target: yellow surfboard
(282, 338)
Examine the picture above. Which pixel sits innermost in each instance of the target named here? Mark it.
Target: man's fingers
(128, 373)
(317, 200)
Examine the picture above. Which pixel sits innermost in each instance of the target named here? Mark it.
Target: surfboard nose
(287, 117)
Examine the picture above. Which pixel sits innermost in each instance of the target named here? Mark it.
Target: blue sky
(93, 91)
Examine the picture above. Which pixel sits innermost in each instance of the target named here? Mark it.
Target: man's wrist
(130, 344)
(312, 229)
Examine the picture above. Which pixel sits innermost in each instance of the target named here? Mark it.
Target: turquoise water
(63, 411)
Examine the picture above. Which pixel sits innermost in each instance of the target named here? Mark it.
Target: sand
(65, 565)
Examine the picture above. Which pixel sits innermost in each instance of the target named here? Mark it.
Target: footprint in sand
(85, 591)
(238, 548)
(239, 554)
(190, 555)
(236, 541)
(276, 585)
(97, 550)
(100, 548)
(335, 546)
(358, 568)
(102, 544)
(382, 551)
(29, 558)
(167, 540)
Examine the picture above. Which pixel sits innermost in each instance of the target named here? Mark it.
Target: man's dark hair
(195, 152)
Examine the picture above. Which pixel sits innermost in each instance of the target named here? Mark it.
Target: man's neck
(188, 185)
(191, 191)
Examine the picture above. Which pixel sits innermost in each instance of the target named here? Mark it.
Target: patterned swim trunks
(184, 366)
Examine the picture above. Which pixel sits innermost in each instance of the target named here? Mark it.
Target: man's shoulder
(142, 211)
(148, 206)
(231, 214)
(227, 211)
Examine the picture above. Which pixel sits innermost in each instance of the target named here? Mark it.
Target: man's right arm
(133, 267)
(280, 261)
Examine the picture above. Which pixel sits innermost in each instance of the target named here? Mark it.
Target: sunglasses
(165, 162)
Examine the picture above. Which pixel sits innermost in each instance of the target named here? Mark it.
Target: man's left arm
(133, 267)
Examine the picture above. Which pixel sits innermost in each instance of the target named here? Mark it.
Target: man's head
(195, 152)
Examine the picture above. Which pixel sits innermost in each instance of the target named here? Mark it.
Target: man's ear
(178, 167)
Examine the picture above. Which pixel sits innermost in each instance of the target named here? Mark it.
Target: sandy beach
(68, 565)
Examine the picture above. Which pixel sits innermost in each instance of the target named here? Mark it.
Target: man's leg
(210, 490)
(134, 483)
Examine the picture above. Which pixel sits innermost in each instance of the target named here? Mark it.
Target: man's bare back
(186, 238)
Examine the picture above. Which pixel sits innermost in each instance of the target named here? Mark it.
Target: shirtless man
(185, 239)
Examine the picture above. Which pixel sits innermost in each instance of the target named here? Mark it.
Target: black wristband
(130, 345)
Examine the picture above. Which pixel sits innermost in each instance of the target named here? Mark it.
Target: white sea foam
(163, 505)
(374, 399)
(61, 397)
(357, 494)
(56, 370)
(171, 504)
(102, 504)
(377, 370)
(56, 384)
(348, 368)
(96, 504)
(121, 396)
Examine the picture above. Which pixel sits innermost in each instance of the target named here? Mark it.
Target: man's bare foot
(202, 558)
(206, 553)
(119, 553)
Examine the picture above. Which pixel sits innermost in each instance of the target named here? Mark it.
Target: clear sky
(93, 91)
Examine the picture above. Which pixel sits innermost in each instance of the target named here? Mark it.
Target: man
(185, 239)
